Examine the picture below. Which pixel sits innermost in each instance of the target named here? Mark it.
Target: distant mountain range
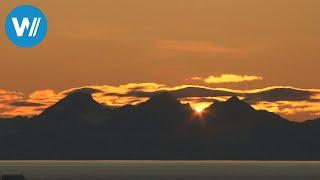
(78, 128)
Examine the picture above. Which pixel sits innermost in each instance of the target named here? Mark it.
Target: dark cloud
(280, 94)
(25, 103)
(140, 94)
(202, 92)
(270, 95)
(181, 93)
(85, 90)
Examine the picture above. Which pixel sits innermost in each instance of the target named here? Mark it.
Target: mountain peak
(233, 99)
(76, 102)
(163, 101)
(78, 99)
(235, 102)
(164, 97)
(78, 96)
(233, 106)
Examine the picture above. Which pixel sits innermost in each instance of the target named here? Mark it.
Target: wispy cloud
(199, 47)
(25, 104)
(14, 103)
(227, 78)
(42, 94)
(9, 95)
(294, 110)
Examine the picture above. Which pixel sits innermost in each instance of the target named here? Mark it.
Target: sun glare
(200, 106)
(198, 109)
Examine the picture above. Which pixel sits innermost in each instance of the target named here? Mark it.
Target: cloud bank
(293, 103)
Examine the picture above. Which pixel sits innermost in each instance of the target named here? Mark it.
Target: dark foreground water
(162, 170)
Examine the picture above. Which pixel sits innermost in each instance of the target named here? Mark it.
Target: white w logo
(25, 25)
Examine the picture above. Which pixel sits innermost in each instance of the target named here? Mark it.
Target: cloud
(274, 99)
(85, 90)
(9, 95)
(196, 78)
(42, 94)
(121, 89)
(280, 94)
(290, 102)
(26, 111)
(25, 103)
(199, 47)
(227, 78)
(293, 110)
(14, 103)
(184, 92)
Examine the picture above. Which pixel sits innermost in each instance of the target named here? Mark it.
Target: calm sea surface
(162, 170)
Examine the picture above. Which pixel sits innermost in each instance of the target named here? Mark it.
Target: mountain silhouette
(78, 127)
(76, 108)
(78, 103)
(162, 100)
(164, 104)
(232, 108)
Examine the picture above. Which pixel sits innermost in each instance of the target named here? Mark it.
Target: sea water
(162, 170)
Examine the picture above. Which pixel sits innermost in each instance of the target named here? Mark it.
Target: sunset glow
(297, 108)
(199, 106)
(201, 51)
(199, 109)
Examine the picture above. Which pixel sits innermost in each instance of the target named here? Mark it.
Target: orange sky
(251, 43)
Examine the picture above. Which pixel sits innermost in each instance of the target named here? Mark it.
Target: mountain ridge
(78, 127)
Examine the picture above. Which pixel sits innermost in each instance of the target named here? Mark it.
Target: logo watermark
(26, 26)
